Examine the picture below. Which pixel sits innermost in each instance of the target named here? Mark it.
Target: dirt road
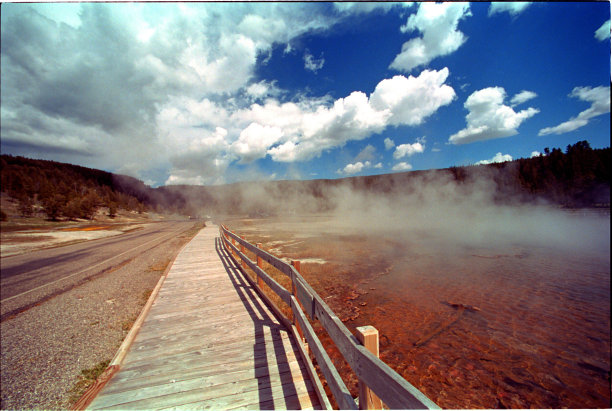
(28, 279)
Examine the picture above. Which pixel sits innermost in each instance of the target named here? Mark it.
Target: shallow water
(498, 324)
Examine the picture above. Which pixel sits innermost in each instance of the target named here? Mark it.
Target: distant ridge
(578, 177)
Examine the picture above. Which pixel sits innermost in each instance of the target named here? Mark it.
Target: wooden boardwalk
(209, 342)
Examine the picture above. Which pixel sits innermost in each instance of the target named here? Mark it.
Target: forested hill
(576, 177)
(66, 190)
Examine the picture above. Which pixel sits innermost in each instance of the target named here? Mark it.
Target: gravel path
(45, 348)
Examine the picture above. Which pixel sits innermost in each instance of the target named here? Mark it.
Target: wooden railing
(377, 381)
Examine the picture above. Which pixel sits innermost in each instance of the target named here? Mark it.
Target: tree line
(576, 177)
(65, 190)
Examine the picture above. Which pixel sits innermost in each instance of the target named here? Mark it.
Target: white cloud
(438, 24)
(389, 144)
(366, 7)
(174, 84)
(367, 154)
(354, 168)
(311, 126)
(411, 100)
(313, 64)
(497, 158)
(262, 90)
(286, 152)
(603, 32)
(535, 154)
(489, 118)
(135, 79)
(407, 150)
(201, 159)
(599, 97)
(512, 7)
(362, 161)
(402, 166)
(522, 97)
(255, 140)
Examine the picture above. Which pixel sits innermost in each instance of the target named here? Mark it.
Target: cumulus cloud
(599, 97)
(120, 84)
(497, 158)
(438, 23)
(410, 100)
(522, 97)
(312, 126)
(313, 64)
(514, 8)
(201, 159)
(402, 166)
(367, 154)
(535, 154)
(389, 144)
(407, 150)
(364, 160)
(603, 32)
(489, 118)
(255, 140)
(354, 168)
(131, 86)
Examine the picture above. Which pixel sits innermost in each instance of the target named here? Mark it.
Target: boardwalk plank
(207, 357)
(246, 370)
(224, 396)
(220, 367)
(142, 353)
(238, 336)
(209, 341)
(216, 386)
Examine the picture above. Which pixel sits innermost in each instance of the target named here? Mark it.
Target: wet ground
(493, 325)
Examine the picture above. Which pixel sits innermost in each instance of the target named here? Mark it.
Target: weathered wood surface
(388, 385)
(209, 341)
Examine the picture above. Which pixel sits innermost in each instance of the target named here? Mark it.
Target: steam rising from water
(467, 216)
(434, 208)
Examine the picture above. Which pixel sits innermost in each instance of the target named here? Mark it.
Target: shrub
(53, 206)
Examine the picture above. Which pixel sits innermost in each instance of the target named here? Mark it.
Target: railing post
(244, 265)
(368, 337)
(296, 264)
(259, 264)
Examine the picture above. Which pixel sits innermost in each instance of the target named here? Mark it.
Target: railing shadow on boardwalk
(379, 384)
(262, 319)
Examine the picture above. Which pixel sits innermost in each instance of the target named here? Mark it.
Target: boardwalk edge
(115, 364)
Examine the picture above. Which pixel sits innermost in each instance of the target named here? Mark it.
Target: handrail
(388, 385)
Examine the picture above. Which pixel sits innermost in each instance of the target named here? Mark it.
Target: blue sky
(204, 93)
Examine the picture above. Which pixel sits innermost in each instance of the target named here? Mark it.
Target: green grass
(87, 378)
